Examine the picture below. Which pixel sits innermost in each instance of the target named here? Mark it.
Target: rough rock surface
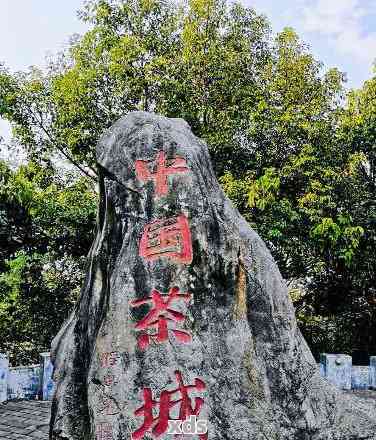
(260, 379)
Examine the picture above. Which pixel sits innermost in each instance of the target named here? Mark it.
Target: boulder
(184, 314)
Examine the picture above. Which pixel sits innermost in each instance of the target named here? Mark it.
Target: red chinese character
(163, 168)
(159, 316)
(158, 425)
(103, 432)
(169, 238)
(109, 359)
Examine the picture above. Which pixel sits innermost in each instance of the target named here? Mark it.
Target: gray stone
(260, 378)
(24, 420)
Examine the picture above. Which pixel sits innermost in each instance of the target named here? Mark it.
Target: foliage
(46, 228)
(298, 163)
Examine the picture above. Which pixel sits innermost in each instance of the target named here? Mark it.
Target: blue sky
(341, 33)
(30, 29)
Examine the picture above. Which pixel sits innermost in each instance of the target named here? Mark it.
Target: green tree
(46, 228)
(298, 165)
(200, 62)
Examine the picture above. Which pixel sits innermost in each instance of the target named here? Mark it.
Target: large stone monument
(184, 315)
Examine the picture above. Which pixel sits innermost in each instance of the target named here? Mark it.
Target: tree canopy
(293, 151)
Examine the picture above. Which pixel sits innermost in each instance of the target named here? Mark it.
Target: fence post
(372, 372)
(4, 371)
(337, 369)
(47, 382)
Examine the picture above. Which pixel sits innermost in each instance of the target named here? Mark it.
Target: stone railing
(339, 370)
(30, 382)
(35, 381)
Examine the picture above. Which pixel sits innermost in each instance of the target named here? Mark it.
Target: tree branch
(62, 151)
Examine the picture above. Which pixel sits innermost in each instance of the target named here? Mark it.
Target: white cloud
(343, 22)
